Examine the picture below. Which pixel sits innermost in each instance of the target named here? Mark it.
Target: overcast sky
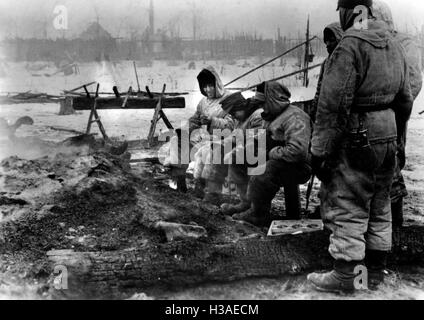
(27, 18)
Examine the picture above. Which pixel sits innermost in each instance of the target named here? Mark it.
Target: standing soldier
(382, 12)
(333, 34)
(364, 94)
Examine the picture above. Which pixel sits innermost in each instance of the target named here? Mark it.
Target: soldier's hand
(274, 154)
(401, 158)
(321, 168)
(205, 121)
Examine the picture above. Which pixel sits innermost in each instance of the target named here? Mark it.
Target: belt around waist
(366, 109)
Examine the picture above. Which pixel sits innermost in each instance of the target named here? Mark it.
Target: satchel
(360, 154)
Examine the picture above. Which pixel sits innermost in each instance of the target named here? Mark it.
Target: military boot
(397, 213)
(376, 262)
(199, 188)
(244, 204)
(340, 280)
(181, 183)
(229, 209)
(213, 193)
(213, 198)
(258, 215)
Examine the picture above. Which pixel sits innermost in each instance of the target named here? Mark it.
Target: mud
(88, 200)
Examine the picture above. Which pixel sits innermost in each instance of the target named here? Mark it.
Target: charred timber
(193, 262)
(85, 103)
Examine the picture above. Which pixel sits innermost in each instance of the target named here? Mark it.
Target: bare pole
(136, 76)
(268, 62)
(306, 60)
(279, 78)
(194, 21)
(152, 18)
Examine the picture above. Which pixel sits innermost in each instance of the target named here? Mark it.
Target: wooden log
(84, 103)
(135, 94)
(193, 262)
(67, 130)
(8, 100)
(74, 93)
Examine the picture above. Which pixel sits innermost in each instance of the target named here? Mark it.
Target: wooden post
(161, 112)
(95, 115)
(116, 92)
(124, 104)
(306, 59)
(155, 118)
(136, 76)
(66, 107)
(86, 91)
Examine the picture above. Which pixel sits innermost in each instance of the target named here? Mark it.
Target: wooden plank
(80, 87)
(65, 130)
(84, 103)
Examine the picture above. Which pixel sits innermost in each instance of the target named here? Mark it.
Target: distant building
(95, 32)
(98, 43)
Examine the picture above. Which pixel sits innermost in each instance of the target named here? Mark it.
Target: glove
(205, 121)
(401, 157)
(274, 154)
(321, 168)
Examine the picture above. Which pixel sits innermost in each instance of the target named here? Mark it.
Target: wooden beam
(84, 103)
(182, 263)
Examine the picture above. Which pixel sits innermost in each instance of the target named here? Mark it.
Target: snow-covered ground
(134, 124)
(128, 124)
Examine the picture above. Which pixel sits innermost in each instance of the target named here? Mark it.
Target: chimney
(151, 18)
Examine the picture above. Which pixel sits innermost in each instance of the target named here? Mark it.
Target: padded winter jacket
(211, 108)
(367, 70)
(337, 30)
(413, 56)
(288, 126)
